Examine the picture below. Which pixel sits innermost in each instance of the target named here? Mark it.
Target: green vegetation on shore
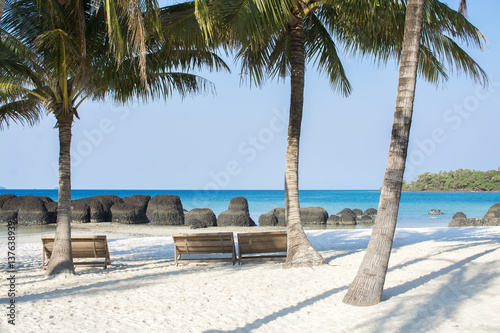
(459, 180)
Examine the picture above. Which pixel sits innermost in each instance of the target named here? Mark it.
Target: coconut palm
(367, 287)
(277, 39)
(41, 69)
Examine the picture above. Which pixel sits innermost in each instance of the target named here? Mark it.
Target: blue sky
(237, 138)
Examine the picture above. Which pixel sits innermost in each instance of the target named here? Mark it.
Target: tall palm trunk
(2, 6)
(61, 260)
(300, 250)
(368, 284)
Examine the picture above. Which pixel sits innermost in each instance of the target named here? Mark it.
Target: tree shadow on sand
(144, 278)
(345, 244)
(440, 305)
(282, 313)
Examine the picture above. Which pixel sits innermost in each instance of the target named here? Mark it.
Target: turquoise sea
(413, 211)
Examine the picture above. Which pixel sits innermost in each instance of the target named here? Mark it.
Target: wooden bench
(204, 243)
(251, 245)
(82, 247)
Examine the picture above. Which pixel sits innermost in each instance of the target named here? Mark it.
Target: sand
(439, 280)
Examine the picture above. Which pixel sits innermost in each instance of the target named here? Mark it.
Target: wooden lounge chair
(204, 243)
(251, 245)
(82, 247)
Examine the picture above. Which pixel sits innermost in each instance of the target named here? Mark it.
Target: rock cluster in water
(164, 210)
(492, 218)
(159, 210)
(314, 216)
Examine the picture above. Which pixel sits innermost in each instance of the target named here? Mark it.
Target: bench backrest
(200, 243)
(92, 246)
(262, 242)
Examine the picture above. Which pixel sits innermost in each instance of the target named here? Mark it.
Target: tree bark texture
(61, 260)
(300, 251)
(367, 287)
(2, 7)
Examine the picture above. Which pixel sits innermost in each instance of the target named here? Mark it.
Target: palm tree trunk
(300, 251)
(2, 6)
(61, 260)
(368, 284)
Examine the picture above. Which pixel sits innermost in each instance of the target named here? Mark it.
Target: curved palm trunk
(61, 260)
(368, 284)
(300, 250)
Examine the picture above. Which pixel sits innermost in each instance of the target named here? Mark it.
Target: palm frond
(456, 57)
(322, 49)
(255, 62)
(22, 112)
(117, 41)
(255, 19)
(430, 67)
(278, 64)
(440, 17)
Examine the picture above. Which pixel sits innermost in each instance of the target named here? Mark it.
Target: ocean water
(413, 210)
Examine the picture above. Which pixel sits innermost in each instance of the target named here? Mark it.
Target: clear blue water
(413, 211)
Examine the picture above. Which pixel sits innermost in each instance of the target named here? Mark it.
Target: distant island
(2, 188)
(463, 180)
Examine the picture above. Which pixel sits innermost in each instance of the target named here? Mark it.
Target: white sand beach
(439, 280)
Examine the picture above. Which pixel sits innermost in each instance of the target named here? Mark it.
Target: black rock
(347, 212)
(94, 209)
(313, 216)
(239, 204)
(459, 215)
(280, 215)
(468, 222)
(128, 213)
(493, 212)
(138, 200)
(5, 197)
(30, 210)
(52, 211)
(268, 220)
(358, 212)
(365, 220)
(165, 210)
(347, 217)
(80, 211)
(333, 220)
(8, 216)
(275, 217)
(236, 215)
(436, 212)
(370, 212)
(200, 218)
(233, 218)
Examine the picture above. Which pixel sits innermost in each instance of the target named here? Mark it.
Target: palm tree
(367, 287)
(41, 68)
(278, 37)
